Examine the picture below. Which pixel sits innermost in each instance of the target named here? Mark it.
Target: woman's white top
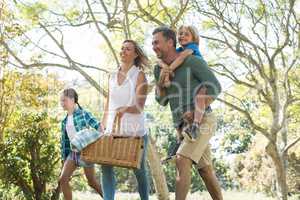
(71, 131)
(125, 95)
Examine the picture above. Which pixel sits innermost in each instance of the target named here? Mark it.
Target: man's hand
(165, 71)
(188, 117)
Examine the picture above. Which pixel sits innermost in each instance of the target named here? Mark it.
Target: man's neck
(172, 55)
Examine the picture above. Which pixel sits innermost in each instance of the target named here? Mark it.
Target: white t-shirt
(71, 131)
(125, 95)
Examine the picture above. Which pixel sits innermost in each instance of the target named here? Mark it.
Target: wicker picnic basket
(115, 149)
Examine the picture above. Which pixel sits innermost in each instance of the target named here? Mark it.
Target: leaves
(30, 148)
(208, 24)
(32, 12)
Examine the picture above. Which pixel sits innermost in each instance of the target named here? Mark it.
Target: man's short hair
(167, 32)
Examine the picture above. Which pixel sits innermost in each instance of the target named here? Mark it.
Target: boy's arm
(202, 102)
(162, 76)
(179, 60)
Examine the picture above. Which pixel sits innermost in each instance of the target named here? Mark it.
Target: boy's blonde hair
(193, 31)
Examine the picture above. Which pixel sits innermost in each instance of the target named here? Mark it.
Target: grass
(228, 195)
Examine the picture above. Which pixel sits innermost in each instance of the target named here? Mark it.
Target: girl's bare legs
(92, 181)
(67, 171)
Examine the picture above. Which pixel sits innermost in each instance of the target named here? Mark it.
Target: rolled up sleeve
(162, 100)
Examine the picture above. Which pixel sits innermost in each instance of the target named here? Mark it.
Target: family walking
(183, 80)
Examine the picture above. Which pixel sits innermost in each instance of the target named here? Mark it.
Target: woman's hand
(120, 111)
(102, 127)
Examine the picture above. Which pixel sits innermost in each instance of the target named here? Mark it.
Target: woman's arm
(141, 95)
(104, 118)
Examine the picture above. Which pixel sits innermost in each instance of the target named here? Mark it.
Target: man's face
(160, 45)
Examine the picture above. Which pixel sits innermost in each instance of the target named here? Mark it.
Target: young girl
(188, 38)
(76, 120)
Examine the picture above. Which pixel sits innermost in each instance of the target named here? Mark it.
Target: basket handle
(116, 124)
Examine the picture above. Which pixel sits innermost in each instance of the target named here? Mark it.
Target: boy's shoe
(171, 152)
(192, 131)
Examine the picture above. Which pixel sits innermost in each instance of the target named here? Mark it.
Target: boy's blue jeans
(109, 180)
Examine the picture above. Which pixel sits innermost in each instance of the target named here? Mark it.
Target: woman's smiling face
(127, 53)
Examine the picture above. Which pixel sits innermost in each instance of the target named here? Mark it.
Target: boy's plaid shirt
(82, 120)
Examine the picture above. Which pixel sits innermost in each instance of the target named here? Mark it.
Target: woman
(77, 119)
(126, 100)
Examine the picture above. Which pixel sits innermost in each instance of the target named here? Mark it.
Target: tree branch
(293, 143)
(102, 33)
(74, 64)
(248, 116)
(148, 15)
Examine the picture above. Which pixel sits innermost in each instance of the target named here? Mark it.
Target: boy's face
(184, 36)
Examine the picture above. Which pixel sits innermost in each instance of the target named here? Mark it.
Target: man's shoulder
(194, 60)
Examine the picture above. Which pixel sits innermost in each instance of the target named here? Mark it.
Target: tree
(256, 44)
(112, 21)
(30, 155)
(30, 146)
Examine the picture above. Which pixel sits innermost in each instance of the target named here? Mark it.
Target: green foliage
(208, 24)
(238, 135)
(30, 155)
(222, 170)
(32, 12)
(72, 14)
(30, 147)
(165, 136)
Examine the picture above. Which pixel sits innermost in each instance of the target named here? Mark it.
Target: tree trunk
(157, 172)
(278, 161)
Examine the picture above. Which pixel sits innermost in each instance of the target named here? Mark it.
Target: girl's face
(127, 53)
(66, 102)
(184, 36)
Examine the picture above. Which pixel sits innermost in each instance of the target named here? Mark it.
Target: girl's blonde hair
(193, 31)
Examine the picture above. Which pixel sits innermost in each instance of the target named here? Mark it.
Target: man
(193, 75)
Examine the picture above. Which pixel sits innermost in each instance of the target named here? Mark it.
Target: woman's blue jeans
(109, 180)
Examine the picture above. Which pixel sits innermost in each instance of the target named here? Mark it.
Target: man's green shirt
(189, 77)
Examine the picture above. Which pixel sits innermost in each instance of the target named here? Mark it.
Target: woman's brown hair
(141, 60)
